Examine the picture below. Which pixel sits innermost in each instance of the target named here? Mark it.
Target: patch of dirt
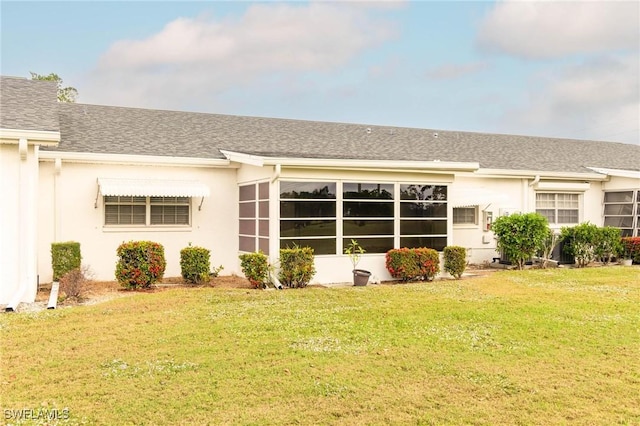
(101, 291)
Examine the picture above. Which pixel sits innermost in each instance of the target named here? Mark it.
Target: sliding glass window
(308, 215)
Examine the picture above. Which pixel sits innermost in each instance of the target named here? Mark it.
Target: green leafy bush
(65, 257)
(195, 264)
(455, 260)
(413, 264)
(296, 266)
(255, 267)
(140, 264)
(580, 242)
(631, 248)
(607, 243)
(520, 236)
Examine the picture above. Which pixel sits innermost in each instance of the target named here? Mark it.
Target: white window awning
(152, 187)
(471, 197)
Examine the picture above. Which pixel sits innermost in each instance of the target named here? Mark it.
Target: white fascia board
(95, 158)
(239, 157)
(617, 172)
(332, 163)
(33, 137)
(531, 174)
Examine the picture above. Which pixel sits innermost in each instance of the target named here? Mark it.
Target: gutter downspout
(23, 206)
(536, 179)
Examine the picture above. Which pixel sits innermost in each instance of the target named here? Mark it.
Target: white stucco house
(101, 175)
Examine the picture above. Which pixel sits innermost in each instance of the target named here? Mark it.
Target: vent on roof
(435, 135)
(368, 130)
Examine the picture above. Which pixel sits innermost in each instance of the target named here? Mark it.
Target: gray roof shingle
(28, 104)
(118, 130)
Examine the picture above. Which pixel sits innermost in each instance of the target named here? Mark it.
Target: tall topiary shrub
(408, 264)
(255, 267)
(195, 264)
(520, 236)
(580, 242)
(65, 257)
(296, 266)
(455, 260)
(140, 264)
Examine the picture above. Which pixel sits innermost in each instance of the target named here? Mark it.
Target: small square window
(465, 215)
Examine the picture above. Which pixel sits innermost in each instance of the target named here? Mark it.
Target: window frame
(147, 204)
(433, 212)
(556, 209)
(471, 224)
(634, 215)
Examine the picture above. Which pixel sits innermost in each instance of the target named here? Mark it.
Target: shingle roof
(117, 130)
(28, 104)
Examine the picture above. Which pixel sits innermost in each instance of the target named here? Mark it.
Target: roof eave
(95, 158)
(33, 137)
(532, 174)
(351, 164)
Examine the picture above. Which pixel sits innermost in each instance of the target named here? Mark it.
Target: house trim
(125, 159)
(34, 137)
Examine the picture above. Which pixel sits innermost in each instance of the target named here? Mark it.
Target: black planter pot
(360, 277)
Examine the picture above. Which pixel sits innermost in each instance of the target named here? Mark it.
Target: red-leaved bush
(631, 247)
(140, 264)
(413, 263)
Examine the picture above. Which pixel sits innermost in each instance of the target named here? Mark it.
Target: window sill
(125, 228)
(465, 226)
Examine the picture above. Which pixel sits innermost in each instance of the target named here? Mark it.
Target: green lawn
(529, 347)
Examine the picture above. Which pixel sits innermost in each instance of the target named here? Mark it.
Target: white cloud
(599, 99)
(199, 56)
(454, 71)
(550, 29)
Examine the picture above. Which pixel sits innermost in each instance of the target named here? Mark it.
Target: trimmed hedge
(255, 267)
(195, 264)
(408, 264)
(65, 257)
(455, 260)
(296, 266)
(140, 264)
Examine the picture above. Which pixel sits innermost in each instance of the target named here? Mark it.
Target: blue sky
(566, 69)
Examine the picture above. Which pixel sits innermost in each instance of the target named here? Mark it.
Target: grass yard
(531, 347)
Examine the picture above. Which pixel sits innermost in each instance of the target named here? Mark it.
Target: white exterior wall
(621, 183)
(68, 214)
(511, 195)
(18, 180)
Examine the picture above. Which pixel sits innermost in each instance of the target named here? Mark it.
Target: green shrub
(140, 264)
(255, 267)
(195, 264)
(520, 236)
(65, 257)
(607, 243)
(455, 260)
(580, 242)
(631, 248)
(296, 266)
(413, 264)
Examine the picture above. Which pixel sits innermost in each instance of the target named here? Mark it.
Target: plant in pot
(355, 252)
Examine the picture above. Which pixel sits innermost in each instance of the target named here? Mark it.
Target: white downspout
(23, 243)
